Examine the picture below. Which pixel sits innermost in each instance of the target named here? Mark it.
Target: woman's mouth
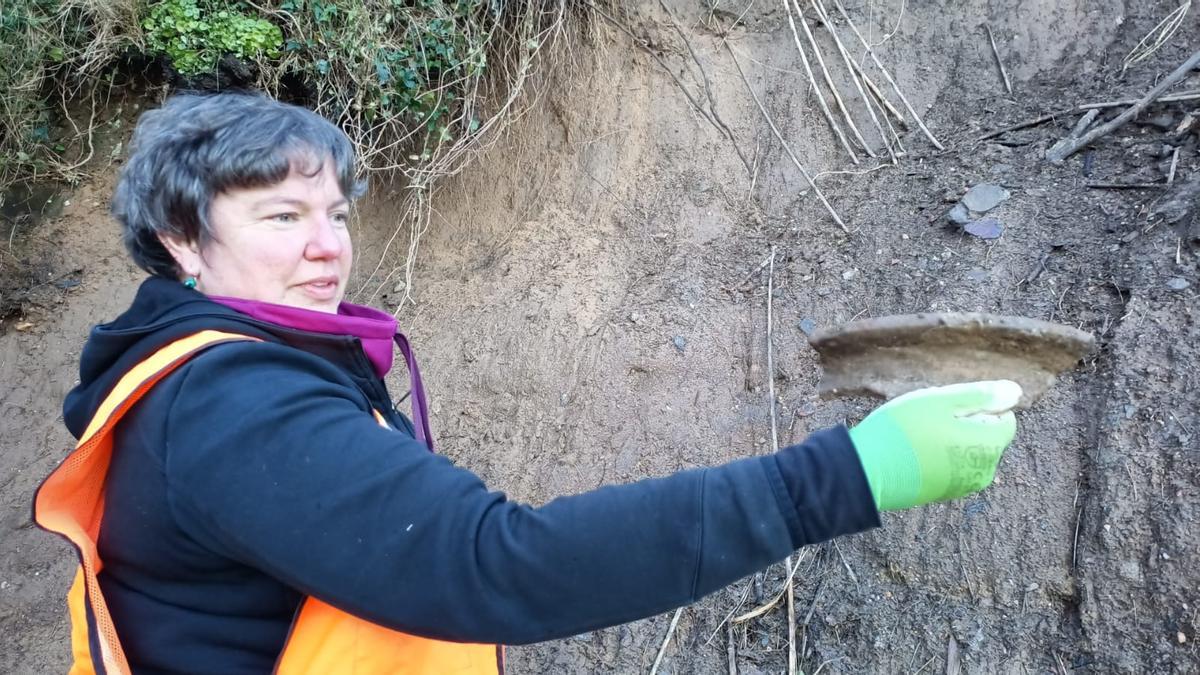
(321, 288)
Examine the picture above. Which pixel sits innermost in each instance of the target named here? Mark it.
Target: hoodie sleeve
(272, 462)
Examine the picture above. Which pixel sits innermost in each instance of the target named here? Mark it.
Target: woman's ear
(186, 254)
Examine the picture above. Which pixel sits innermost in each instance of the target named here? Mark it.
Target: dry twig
(708, 89)
(812, 80)
(663, 649)
(837, 41)
(1058, 154)
(1157, 37)
(829, 80)
(888, 76)
(999, 61)
(791, 155)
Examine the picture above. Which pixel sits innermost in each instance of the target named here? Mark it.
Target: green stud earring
(190, 282)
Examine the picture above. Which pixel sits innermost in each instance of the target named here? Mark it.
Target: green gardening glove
(936, 444)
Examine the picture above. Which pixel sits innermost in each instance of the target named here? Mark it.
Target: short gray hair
(195, 147)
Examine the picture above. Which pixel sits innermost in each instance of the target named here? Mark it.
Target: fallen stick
(999, 61)
(771, 400)
(775, 130)
(732, 651)
(1057, 155)
(1079, 129)
(663, 649)
(1190, 95)
(1084, 123)
(1026, 124)
(1174, 166)
(1125, 186)
(888, 76)
(853, 78)
(812, 41)
(812, 80)
(874, 88)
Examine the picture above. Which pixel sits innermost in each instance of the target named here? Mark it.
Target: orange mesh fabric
(71, 501)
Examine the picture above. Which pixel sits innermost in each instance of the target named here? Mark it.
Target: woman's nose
(324, 241)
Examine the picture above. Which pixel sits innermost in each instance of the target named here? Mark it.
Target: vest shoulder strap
(70, 502)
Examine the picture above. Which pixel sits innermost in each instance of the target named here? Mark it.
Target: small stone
(985, 197)
(1178, 284)
(1130, 570)
(679, 342)
(808, 326)
(959, 215)
(849, 274)
(985, 228)
(976, 275)
(635, 317)
(399, 287)
(904, 237)
(1180, 637)
(24, 326)
(1164, 122)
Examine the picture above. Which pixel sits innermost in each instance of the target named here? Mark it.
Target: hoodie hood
(164, 311)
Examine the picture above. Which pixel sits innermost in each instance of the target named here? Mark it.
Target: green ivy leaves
(195, 34)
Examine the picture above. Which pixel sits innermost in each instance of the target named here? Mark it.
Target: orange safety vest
(322, 639)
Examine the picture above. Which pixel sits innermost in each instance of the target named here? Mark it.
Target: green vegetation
(195, 34)
(413, 82)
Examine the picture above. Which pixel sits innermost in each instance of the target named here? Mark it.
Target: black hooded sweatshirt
(255, 475)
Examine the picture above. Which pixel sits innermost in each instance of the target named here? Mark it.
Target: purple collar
(376, 331)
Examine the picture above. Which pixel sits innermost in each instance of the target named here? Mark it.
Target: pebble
(1178, 284)
(984, 197)
(976, 274)
(1181, 637)
(680, 343)
(635, 317)
(985, 228)
(959, 215)
(808, 326)
(849, 274)
(1164, 122)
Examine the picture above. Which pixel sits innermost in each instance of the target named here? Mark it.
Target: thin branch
(708, 89)
(772, 401)
(663, 649)
(837, 41)
(786, 147)
(1059, 154)
(999, 61)
(837, 98)
(888, 76)
(812, 80)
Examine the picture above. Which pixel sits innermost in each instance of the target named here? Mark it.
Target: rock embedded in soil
(892, 355)
(985, 228)
(959, 215)
(985, 197)
(1178, 284)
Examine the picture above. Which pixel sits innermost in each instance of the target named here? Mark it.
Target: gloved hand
(936, 444)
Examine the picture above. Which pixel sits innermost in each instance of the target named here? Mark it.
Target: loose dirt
(590, 303)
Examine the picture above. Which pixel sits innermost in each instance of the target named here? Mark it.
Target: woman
(245, 497)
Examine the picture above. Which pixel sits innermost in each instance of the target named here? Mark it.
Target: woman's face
(286, 244)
